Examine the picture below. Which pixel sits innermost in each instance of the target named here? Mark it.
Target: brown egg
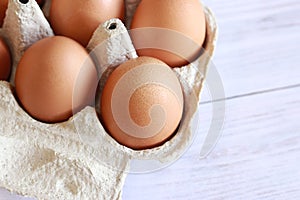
(5, 61)
(40, 2)
(55, 78)
(170, 30)
(4, 5)
(142, 103)
(3, 8)
(78, 19)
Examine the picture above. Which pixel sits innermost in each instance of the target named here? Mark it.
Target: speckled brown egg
(78, 19)
(5, 60)
(142, 103)
(55, 78)
(170, 30)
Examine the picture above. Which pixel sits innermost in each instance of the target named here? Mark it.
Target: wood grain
(6, 195)
(258, 44)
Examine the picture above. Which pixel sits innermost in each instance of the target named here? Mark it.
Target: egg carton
(78, 159)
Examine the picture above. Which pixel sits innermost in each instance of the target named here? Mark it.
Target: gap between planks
(252, 94)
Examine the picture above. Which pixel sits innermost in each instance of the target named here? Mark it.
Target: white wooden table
(258, 155)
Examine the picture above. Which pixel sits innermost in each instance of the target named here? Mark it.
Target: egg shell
(78, 19)
(3, 7)
(142, 103)
(170, 30)
(55, 79)
(5, 60)
(50, 161)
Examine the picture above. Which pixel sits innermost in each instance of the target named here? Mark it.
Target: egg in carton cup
(78, 159)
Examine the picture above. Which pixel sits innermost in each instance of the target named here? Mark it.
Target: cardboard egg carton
(78, 159)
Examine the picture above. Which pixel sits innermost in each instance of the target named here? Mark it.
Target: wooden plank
(257, 157)
(258, 46)
(6, 195)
